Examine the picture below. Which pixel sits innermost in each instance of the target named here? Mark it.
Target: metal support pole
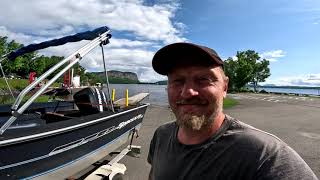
(131, 140)
(5, 78)
(106, 74)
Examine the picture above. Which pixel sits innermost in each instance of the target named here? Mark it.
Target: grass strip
(10, 100)
(229, 102)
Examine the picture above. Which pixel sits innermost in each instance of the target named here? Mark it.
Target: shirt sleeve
(284, 164)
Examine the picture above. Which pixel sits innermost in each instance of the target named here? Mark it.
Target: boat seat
(51, 117)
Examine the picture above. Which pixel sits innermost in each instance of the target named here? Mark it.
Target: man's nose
(189, 90)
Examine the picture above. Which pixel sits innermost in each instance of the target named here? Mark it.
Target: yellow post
(113, 94)
(127, 98)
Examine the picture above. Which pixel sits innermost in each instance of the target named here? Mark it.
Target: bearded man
(204, 143)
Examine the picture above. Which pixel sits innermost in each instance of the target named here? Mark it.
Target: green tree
(262, 72)
(247, 68)
(229, 69)
(4, 50)
(19, 66)
(3, 44)
(38, 64)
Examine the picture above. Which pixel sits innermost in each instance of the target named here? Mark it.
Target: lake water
(158, 93)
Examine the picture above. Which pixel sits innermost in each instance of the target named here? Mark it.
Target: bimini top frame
(98, 36)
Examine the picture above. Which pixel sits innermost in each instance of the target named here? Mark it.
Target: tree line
(247, 68)
(27, 63)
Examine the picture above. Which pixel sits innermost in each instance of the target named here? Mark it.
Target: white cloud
(63, 30)
(128, 58)
(116, 43)
(314, 77)
(273, 55)
(148, 75)
(63, 50)
(134, 59)
(312, 80)
(59, 17)
(19, 37)
(144, 27)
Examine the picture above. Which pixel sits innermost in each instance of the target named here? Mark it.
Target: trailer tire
(117, 176)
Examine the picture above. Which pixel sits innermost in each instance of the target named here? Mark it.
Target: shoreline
(281, 93)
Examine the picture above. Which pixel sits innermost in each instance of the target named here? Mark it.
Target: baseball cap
(184, 53)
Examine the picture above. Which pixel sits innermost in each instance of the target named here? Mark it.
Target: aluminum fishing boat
(57, 139)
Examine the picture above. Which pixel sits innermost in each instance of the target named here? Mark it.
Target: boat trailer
(114, 169)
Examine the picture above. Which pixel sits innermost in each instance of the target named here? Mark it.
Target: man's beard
(196, 121)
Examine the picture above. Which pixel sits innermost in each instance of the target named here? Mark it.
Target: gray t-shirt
(235, 151)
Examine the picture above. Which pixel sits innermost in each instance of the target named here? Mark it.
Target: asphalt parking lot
(294, 119)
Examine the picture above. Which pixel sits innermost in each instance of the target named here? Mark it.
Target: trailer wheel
(117, 176)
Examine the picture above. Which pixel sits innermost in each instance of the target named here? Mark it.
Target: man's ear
(225, 88)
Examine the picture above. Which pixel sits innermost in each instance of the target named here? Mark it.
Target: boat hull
(62, 152)
(69, 169)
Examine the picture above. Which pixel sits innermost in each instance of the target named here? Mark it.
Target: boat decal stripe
(104, 99)
(24, 162)
(71, 162)
(15, 140)
(82, 141)
(99, 100)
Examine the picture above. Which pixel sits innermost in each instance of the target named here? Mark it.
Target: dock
(133, 100)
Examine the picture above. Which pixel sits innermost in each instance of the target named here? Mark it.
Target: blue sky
(286, 32)
(282, 31)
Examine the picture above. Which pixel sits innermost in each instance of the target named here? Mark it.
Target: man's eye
(177, 80)
(205, 80)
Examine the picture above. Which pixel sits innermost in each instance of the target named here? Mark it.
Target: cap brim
(179, 54)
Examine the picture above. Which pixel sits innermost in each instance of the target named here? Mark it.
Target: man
(204, 143)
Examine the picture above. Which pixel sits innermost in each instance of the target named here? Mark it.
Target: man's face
(196, 95)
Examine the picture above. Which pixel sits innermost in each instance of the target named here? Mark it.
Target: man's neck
(189, 137)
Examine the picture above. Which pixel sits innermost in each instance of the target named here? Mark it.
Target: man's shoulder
(246, 130)
(259, 146)
(166, 128)
(249, 137)
(276, 159)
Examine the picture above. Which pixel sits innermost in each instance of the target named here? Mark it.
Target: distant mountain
(268, 85)
(265, 85)
(287, 87)
(162, 82)
(119, 77)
